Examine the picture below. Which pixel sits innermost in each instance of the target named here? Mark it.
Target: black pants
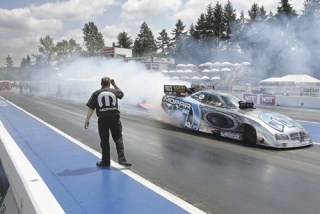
(112, 124)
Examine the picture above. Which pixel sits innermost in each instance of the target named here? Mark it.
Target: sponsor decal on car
(174, 101)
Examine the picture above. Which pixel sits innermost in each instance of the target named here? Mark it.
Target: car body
(230, 116)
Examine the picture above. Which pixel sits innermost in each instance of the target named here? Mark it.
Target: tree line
(270, 41)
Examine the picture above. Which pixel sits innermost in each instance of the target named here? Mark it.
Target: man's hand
(112, 82)
(86, 124)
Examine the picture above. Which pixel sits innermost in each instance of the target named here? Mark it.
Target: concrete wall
(298, 101)
(30, 192)
(287, 101)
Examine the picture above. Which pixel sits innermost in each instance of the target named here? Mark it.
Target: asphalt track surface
(214, 174)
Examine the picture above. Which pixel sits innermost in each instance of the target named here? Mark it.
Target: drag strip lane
(215, 174)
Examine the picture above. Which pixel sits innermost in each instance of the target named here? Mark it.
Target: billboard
(267, 99)
(251, 98)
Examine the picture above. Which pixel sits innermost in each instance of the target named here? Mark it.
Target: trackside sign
(267, 100)
(250, 98)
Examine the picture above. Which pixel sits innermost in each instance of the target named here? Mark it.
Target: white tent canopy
(185, 78)
(205, 78)
(227, 64)
(195, 78)
(214, 70)
(225, 69)
(181, 65)
(217, 64)
(208, 64)
(206, 71)
(188, 71)
(297, 79)
(175, 78)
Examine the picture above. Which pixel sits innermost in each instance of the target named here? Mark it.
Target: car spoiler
(177, 90)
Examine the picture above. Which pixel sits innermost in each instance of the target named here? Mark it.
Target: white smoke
(138, 84)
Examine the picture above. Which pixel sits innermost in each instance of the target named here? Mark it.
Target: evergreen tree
(25, 68)
(219, 25)
(286, 10)
(253, 12)
(177, 44)
(192, 47)
(25, 63)
(93, 39)
(145, 43)
(239, 31)
(9, 62)
(163, 42)
(262, 15)
(209, 23)
(124, 41)
(229, 18)
(200, 28)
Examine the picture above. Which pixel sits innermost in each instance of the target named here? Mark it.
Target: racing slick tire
(178, 118)
(250, 135)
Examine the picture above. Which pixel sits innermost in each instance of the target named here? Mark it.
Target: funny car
(228, 115)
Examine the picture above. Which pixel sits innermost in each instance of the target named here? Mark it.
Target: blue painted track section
(70, 172)
(313, 129)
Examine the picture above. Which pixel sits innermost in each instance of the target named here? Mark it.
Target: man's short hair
(105, 81)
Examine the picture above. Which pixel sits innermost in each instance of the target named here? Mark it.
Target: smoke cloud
(81, 78)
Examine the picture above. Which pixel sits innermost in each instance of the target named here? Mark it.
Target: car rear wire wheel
(250, 135)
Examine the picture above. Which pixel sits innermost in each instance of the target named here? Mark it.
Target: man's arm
(89, 114)
(113, 83)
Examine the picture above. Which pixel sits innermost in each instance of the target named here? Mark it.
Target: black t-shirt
(105, 101)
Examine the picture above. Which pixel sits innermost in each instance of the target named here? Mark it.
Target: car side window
(213, 100)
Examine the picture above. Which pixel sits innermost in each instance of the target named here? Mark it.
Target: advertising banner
(267, 100)
(251, 98)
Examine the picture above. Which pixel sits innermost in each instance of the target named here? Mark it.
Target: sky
(24, 22)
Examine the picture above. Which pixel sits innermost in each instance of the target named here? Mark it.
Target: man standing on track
(105, 101)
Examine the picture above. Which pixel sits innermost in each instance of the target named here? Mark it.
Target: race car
(230, 116)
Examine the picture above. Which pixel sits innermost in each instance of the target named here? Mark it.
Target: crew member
(105, 101)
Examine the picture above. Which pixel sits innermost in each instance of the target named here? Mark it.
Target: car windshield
(231, 101)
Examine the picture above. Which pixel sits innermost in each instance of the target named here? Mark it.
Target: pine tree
(219, 25)
(286, 10)
(200, 28)
(145, 43)
(124, 41)
(9, 62)
(163, 42)
(177, 44)
(229, 18)
(253, 12)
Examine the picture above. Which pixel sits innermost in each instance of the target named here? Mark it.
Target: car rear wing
(177, 90)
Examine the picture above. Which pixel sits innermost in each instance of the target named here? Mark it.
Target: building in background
(155, 63)
(151, 63)
(116, 52)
